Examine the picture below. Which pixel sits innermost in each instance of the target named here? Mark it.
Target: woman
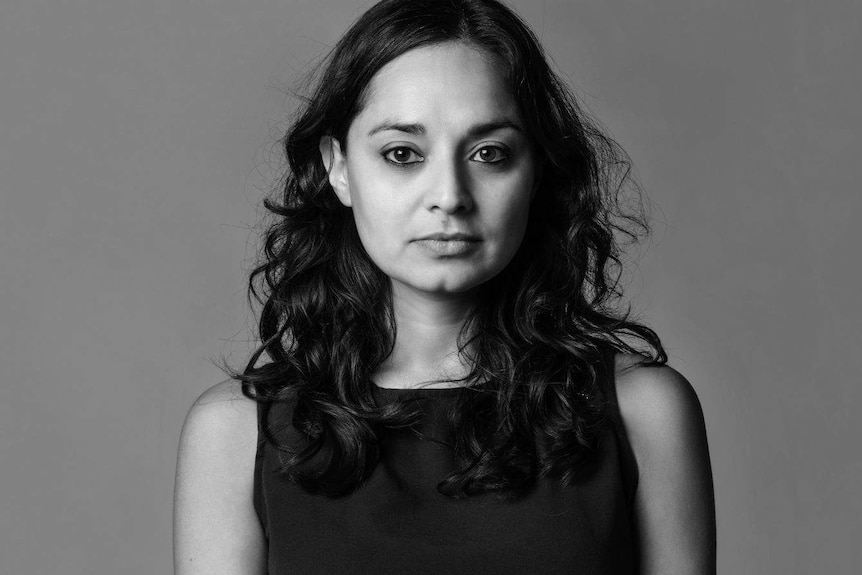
(447, 389)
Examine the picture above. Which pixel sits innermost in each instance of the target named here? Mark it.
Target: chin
(445, 284)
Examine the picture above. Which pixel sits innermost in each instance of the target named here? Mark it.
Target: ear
(336, 166)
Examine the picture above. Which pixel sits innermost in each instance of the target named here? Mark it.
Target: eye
(402, 156)
(490, 155)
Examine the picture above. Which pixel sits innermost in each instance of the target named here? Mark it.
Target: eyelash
(502, 151)
(387, 153)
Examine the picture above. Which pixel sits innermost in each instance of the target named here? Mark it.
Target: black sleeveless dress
(399, 523)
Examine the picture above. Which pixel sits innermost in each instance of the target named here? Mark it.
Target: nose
(449, 191)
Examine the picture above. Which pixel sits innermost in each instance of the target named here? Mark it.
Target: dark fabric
(399, 523)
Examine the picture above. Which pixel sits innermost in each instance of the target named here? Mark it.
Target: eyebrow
(474, 131)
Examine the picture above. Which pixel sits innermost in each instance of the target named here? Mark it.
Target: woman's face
(438, 170)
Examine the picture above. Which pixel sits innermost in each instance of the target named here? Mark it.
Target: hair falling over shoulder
(544, 329)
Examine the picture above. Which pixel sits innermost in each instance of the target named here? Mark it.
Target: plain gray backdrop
(137, 138)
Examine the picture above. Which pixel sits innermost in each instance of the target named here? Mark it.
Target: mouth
(449, 245)
(454, 237)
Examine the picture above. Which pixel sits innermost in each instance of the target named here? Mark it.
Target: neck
(426, 343)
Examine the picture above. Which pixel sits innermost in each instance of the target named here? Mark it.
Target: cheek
(377, 222)
(512, 219)
(514, 211)
(369, 224)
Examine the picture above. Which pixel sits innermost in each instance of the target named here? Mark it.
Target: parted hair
(536, 400)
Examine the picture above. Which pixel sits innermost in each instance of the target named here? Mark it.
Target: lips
(449, 245)
(448, 237)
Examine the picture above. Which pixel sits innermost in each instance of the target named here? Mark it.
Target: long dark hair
(536, 400)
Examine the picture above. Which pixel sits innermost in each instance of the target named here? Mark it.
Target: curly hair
(536, 400)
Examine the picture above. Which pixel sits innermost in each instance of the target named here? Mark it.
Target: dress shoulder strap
(257, 493)
(628, 463)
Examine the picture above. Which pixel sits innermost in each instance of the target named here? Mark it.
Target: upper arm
(216, 529)
(674, 501)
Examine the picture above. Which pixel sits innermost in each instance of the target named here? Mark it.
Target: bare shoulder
(223, 418)
(227, 394)
(219, 438)
(674, 501)
(216, 529)
(653, 399)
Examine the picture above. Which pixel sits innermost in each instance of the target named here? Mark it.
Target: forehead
(450, 83)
